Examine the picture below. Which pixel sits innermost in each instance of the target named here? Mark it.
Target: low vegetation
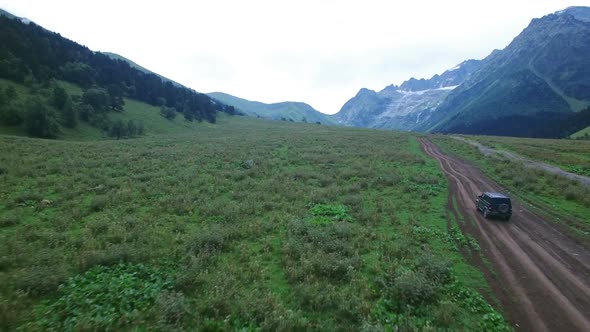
(583, 134)
(566, 201)
(243, 225)
(570, 155)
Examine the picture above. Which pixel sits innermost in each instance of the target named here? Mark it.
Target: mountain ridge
(540, 78)
(543, 72)
(116, 56)
(405, 106)
(287, 110)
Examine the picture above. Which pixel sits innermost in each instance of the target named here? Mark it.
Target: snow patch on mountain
(455, 68)
(421, 92)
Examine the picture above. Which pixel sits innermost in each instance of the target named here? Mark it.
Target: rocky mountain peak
(578, 12)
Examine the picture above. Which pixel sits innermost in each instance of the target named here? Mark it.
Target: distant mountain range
(538, 86)
(287, 111)
(407, 106)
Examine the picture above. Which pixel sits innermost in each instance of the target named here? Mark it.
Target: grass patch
(569, 155)
(326, 214)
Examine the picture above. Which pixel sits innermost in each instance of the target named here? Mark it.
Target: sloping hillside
(36, 58)
(116, 56)
(142, 114)
(288, 111)
(539, 80)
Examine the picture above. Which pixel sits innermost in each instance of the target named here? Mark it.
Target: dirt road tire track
(540, 276)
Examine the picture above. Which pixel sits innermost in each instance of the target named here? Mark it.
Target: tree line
(44, 110)
(31, 55)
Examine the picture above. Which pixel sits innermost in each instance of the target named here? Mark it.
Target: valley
(129, 201)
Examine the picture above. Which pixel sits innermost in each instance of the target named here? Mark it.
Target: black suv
(494, 204)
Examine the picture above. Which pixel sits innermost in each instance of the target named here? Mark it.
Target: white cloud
(319, 52)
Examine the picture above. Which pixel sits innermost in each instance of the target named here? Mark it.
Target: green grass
(153, 122)
(570, 155)
(219, 225)
(563, 201)
(584, 133)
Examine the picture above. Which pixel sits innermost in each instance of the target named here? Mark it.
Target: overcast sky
(318, 52)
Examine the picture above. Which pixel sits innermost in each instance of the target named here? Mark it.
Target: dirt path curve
(527, 162)
(540, 276)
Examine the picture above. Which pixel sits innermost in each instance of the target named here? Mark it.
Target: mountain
(116, 56)
(41, 60)
(407, 106)
(530, 88)
(12, 16)
(7, 14)
(290, 111)
(538, 86)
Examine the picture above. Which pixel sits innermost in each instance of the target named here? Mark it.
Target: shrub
(40, 121)
(168, 112)
(171, 308)
(322, 252)
(115, 254)
(212, 239)
(10, 114)
(445, 313)
(413, 288)
(41, 280)
(98, 227)
(572, 193)
(190, 277)
(9, 219)
(98, 203)
(28, 198)
(436, 269)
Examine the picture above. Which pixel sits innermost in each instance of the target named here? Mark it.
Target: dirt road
(540, 276)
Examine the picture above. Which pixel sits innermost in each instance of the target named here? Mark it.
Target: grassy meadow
(563, 200)
(242, 225)
(570, 155)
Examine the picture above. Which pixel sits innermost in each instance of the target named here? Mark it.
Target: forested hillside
(37, 58)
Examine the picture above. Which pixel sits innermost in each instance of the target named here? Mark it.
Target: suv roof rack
(496, 195)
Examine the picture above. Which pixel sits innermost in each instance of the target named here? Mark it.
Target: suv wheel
(485, 213)
(503, 208)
